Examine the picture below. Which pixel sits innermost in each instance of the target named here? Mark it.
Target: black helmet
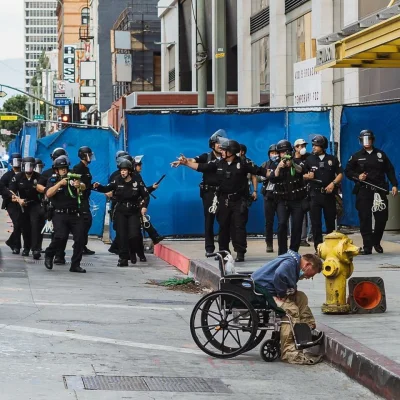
(214, 137)
(125, 164)
(366, 133)
(59, 151)
(272, 148)
(243, 148)
(320, 141)
(122, 158)
(28, 164)
(84, 151)
(61, 162)
(16, 155)
(284, 145)
(38, 161)
(120, 153)
(230, 145)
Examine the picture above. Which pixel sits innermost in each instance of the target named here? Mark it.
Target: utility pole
(220, 53)
(201, 55)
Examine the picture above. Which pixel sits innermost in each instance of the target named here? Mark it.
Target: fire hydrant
(338, 252)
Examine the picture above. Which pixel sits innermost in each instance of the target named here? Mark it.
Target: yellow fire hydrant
(338, 252)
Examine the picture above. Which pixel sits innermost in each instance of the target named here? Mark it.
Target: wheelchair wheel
(270, 350)
(223, 324)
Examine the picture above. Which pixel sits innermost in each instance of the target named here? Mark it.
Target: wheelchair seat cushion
(270, 300)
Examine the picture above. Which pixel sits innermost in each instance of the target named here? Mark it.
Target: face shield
(39, 168)
(366, 140)
(89, 157)
(16, 162)
(28, 167)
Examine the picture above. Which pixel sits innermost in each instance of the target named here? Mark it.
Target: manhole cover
(41, 262)
(145, 384)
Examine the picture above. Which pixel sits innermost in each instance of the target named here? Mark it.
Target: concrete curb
(371, 369)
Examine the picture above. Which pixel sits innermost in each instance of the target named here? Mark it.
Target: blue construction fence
(163, 136)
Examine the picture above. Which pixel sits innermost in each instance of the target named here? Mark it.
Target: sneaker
(304, 243)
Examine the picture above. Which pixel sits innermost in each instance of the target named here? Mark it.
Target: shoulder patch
(379, 155)
(238, 165)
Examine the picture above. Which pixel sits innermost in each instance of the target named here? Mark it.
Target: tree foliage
(15, 104)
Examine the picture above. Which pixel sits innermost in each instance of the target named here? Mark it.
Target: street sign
(3, 93)
(38, 117)
(8, 117)
(60, 95)
(62, 102)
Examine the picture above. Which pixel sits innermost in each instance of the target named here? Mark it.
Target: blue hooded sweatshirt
(280, 274)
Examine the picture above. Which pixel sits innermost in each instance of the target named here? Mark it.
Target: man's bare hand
(362, 176)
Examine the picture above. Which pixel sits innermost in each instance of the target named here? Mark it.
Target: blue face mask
(301, 274)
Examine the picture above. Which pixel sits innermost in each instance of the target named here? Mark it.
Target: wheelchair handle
(220, 254)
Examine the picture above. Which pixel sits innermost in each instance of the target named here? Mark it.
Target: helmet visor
(39, 168)
(90, 157)
(16, 162)
(29, 166)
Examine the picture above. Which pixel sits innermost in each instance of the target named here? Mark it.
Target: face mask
(301, 274)
(275, 158)
(303, 151)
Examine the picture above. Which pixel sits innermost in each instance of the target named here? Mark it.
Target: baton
(160, 180)
(371, 184)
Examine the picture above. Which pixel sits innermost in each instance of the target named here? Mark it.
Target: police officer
(39, 165)
(371, 165)
(59, 258)
(64, 195)
(208, 186)
(289, 193)
(128, 189)
(267, 191)
(13, 208)
(324, 173)
(86, 156)
(231, 173)
(24, 186)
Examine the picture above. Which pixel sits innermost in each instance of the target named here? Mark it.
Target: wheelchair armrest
(238, 276)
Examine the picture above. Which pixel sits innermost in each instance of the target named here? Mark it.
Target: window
(85, 16)
(171, 67)
(299, 46)
(260, 68)
(258, 5)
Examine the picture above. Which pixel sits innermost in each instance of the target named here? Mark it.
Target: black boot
(122, 263)
(133, 258)
(58, 260)
(157, 239)
(87, 252)
(36, 255)
(77, 269)
(142, 258)
(239, 257)
(48, 262)
(25, 253)
(16, 251)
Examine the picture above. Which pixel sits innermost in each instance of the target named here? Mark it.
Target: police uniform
(326, 168)
(14, 211)
(32, 217)
(208, 187)
(66, 219)
(377, 166)
(232, 197)
(84, 209)
(270, 206)
(127, 214)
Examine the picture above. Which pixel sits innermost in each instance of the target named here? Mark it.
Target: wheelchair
(235, 319)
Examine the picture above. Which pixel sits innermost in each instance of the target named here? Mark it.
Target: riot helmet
(120, 153)
(59, 151)
(85, 153)
(284, 146)
(220, 133)
(365, 136)
(272, 148)
(320, 141)
(61, 162)
(16, 159)
(28, 164)
(230, 145)
(39, 165)
(125, 164)
(138, 159)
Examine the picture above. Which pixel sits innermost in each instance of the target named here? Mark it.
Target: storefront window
(260, 67)
(299, 45)
(258, 5)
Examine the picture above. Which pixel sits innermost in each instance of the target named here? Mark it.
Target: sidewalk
(366, 347)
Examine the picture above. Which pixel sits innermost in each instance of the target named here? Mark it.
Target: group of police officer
(294, 183)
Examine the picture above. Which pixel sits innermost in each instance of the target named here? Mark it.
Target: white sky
(11, 29)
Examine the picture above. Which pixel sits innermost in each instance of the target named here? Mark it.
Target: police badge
(379, 155)
(330, 163)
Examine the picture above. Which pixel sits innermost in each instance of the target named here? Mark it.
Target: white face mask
(303, 151)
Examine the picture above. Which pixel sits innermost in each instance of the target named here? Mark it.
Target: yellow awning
(375, 47)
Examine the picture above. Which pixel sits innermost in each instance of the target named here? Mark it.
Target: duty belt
(208, 188)
(66, 211)
(128, 204)
(233, 196)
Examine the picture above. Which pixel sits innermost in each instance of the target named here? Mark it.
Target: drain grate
(389, 266)
(41, 262)
(146, 384)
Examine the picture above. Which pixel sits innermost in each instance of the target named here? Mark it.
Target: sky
(12, 45)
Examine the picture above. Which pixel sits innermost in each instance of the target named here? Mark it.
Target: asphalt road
(57, 326)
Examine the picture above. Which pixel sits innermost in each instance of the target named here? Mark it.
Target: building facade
(40, 32)
(271, 52)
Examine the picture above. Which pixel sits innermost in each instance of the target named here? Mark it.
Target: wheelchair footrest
(306, 338)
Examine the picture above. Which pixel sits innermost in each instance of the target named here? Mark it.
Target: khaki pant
(296, 306)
